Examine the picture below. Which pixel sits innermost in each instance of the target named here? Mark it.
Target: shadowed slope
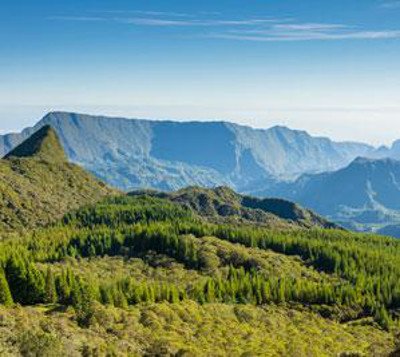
(224, 203)
(43, 144)
(38, 185)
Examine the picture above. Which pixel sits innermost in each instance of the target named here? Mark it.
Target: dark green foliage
(383, 318)
(65, 283)
(50, 292)
(5, 293)
(366, 269)
(124, 210)
(223, 203)
(82, 297)
(25, 280)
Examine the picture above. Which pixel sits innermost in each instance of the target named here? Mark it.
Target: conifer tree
(5, 293)
(50, 293)
(83, 303)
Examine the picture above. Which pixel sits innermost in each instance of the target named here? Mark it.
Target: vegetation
(224, 203)
(187, 329)
(168, 255)
(198, 272)
(38, 185)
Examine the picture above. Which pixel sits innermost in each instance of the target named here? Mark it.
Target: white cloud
(246, 29)
(77, 18)
(391, 5)
(193, 23)
(308, 36)
(306, 32)
(145, 13)
(309, 26)
(154, 22)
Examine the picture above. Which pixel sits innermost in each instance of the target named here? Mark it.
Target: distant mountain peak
(43, 144)
(168, 155)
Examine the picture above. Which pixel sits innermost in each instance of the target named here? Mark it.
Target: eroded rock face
(170, 155)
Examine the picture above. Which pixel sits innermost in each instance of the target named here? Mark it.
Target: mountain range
(38, 186)
(168, 155)
(365, 195)
(352, 184)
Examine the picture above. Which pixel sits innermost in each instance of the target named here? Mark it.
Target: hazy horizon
(330, 68)
(21, 120)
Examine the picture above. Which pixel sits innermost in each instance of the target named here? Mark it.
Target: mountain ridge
(168, 155)
(223, 203)
(364, 195)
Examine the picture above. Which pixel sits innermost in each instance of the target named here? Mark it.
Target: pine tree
(383, 318)
(35, 285)
(64, 284)
(5, 293)
(82, 301)
(16, 276)
(50, 292)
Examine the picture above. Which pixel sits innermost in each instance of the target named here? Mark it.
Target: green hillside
(142, 275)
(222, 203)
(38, 185)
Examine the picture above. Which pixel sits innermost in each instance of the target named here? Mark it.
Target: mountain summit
(43, 144)
(38, 185)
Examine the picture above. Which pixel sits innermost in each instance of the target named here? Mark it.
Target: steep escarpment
(170, 155)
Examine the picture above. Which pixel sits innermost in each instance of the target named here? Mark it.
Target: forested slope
(142, 275)
(222, 203)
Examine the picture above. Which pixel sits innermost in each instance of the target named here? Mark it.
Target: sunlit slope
(38, 185)
(143, 275)
(222, 203)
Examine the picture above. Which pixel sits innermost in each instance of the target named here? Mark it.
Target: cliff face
(170, 155)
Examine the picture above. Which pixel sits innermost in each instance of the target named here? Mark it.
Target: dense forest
(134, 252)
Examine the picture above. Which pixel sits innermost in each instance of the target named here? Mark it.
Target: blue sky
(329, 67)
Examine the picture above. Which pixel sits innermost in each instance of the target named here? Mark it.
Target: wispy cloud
(361, 35)
(309, 26)
(193, 23)
(160, 19)
(261, 29)
(144, 13)
(307, 32)
(77, 18)
(391, 4)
